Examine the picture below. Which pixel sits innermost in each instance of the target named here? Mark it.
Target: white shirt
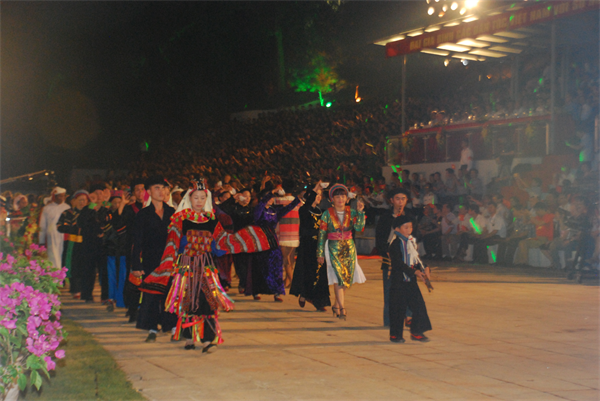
(497, 223)
(466, 157)
(502, 210)
(449, 222)
(480, 222)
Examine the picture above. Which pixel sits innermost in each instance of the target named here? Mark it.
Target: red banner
(540, 12)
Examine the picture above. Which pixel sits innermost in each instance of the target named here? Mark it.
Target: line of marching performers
(172, 265)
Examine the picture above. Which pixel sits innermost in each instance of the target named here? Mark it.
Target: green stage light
(328, 104)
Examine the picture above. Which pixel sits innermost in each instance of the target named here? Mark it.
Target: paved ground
(509, 334)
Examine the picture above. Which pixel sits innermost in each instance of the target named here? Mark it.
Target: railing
(442, 143)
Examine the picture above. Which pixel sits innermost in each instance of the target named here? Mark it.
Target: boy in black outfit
(404, 291)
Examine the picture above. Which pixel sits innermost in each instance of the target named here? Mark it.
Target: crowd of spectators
(346, 143)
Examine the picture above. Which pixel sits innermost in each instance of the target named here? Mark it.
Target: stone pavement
(508, 334)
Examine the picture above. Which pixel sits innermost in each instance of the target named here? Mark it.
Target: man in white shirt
(429, 198)
(474, 223)
(501, 208)
(49, 235)
(495, 231)
(466, 155)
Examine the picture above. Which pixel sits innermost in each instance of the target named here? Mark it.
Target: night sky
(84, 83)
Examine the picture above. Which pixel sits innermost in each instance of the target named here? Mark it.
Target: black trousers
(433, 244)
(152, 313)
(102, 267)
(403, 295)
(507, 249)
(88, 278)
(241, 261)
(480, 248)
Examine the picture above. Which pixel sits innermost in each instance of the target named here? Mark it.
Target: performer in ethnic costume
(310, 279)
(406, 267)
(196, 293)
(265, 275)
(80, 228)
(336, 245)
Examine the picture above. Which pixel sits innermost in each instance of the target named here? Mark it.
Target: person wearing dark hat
(310, 282)
(150, 229)
(81, 229)
(398, 198)
(131, 295)
(406, 268)
(241, 213)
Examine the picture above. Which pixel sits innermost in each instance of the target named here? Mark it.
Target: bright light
(472, 43)
(471, 3)
(454, 6)
(453, 47)
(358, 99)
(431, 10)
(441, 14)
(444, 8)
(462, 11)
(328, 104)
(446, 62)
(465, 62)
(435, 52)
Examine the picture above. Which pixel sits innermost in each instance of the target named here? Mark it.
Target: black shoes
(209, 349)
(301, 302)
(419, 337)
(151, 338)
(190, 346)
(395, 339)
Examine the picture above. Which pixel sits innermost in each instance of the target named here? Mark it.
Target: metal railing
(443, 143)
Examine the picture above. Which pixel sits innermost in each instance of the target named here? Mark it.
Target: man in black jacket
(398, 198)
(150, 230)
(131, 296)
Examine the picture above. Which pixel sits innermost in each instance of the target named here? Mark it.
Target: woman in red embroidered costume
(195, 294)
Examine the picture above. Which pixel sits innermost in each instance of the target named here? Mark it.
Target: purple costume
(265, 273)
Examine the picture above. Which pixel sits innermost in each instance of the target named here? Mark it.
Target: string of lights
(441, 7)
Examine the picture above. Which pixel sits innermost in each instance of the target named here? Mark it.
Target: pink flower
(9, 324)
(60, 354)
(50, 365)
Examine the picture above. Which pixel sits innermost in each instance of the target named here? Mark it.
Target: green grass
(88, 372)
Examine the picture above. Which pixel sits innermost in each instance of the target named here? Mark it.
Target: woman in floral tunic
(336, 246)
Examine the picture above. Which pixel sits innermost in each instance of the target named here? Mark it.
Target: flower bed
(30, 329)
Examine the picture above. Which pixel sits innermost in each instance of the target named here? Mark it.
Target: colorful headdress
(336, 187)
(196, 185)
